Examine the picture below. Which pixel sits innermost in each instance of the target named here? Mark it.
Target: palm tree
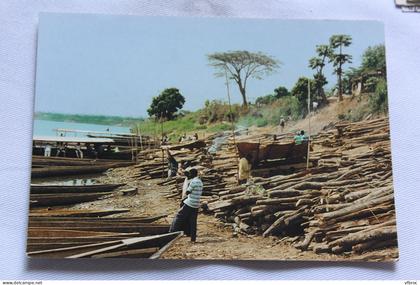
(338, 58)
(317, 63)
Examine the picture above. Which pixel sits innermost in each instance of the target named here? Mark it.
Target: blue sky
(114, 65)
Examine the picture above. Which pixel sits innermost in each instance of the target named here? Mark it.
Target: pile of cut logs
(154, 162)
(344, 205)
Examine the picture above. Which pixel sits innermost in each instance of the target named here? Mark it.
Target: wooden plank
(49, 232)
(61, 189)
(145, 219)
(74, 213)
(150, 229)
(129, 242)
(131, 253)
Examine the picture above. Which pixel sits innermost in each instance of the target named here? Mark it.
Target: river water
(46, 128)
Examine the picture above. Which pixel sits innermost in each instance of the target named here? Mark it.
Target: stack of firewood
(345, 204)
(154, 162)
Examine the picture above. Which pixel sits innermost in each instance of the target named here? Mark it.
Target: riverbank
(351, 164)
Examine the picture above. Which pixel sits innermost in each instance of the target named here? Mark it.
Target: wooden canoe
(70, 161)
(57, 189)
(130, 253)
(44, 243)
(75, 170)
(49, 232)
(63, 199)
(143, 229)
(260, 152)
(91, 239)
(90, 250)
(145, 219)
(60, 213)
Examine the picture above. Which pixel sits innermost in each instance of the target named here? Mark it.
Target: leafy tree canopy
(374, 58)
(166, 104)
(265, 100)
(300, 91)
(242, 65)
(281, 91)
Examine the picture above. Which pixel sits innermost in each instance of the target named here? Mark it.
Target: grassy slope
(188, 124)
(266, 118)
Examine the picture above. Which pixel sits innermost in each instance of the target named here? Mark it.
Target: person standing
(300, 137)
(79, 152)
(186, 218)
(282, 124)
(47, 150)
(245, 165)
(61, 149)
(172, 164)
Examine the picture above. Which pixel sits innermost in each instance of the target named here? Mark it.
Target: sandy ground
(215, 239)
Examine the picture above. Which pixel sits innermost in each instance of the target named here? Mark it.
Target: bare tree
(242, 65)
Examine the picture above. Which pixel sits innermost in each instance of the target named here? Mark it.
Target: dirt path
(214, 239)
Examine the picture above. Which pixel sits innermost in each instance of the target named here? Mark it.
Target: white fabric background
(18, 26)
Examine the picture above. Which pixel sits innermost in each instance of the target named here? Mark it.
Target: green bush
(218, 111)
(284, 107)
(265, 100)
(378, 101)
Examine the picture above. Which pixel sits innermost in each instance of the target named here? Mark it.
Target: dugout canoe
(143, 219)
(62, 233)
(63, 199)
(86, 224)
(70, 161)
(142, 229)
(44, 243)
(60, 213)
(75, 170)
(118, 248)
(58, 189)
(260, 152)
(90, 239)
(130, 253)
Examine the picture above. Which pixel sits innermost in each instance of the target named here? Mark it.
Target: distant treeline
(89, 119)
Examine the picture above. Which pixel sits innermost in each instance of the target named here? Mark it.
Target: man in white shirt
(186, 218)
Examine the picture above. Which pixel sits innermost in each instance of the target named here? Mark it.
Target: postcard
(211, 138)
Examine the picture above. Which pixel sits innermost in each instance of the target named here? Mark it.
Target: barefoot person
(186, 218)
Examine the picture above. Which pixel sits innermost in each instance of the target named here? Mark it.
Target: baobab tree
(317, 63)
(338, 58)
(240, 66)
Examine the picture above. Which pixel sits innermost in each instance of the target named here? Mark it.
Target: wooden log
(286, 201)
(356, 207)
(308, 238)
(377, 234)
(321, 248)
(371, 245)
(276, 224)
